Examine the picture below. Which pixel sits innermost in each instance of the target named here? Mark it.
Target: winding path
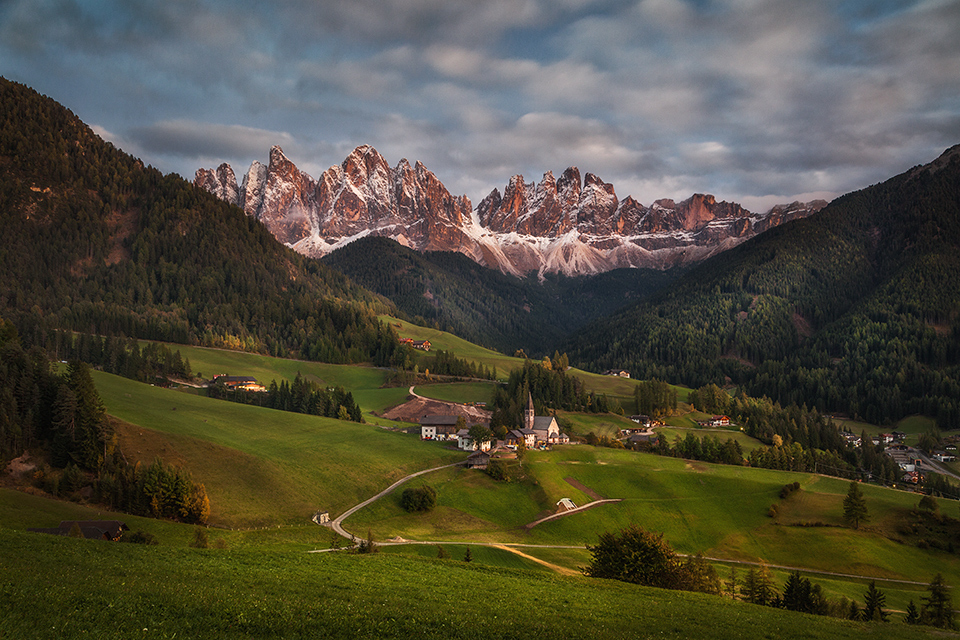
(337, 524)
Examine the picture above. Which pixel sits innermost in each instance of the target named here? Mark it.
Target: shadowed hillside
(855, 309)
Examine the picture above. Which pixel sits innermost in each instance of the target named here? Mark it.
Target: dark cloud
(743, 98)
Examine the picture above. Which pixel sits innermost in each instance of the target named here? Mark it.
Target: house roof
(91, 529)
(542, 423)
(432, 421)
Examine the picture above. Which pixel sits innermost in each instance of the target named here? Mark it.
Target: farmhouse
(422, 345)
(643, 421)
(90, 529)
(438, 427)
(516, 436)
(618, 373)
(239, 383)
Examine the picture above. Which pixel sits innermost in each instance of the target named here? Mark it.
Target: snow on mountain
(557, 225)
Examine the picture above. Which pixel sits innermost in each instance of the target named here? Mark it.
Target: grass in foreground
(69, 588)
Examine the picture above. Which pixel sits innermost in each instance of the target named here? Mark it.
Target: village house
(643, 421)
(436, 427)
(239, 383)
(515, 436)
(618, 373)
(465, 442)
(422, 345)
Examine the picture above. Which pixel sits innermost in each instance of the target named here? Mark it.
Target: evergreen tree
(913, 615)
(855, 506)
(937, 608)
(873, 602)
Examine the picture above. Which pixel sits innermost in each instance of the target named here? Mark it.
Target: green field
(69, 588)
(718, 510)
(261, 466)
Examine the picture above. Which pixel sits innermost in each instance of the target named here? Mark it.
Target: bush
(140, 537)
(419, 499)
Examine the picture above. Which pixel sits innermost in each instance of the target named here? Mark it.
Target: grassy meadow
(179, 592)
(292, 464)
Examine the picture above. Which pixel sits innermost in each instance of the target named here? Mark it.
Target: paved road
(927, 462)
(337, 524)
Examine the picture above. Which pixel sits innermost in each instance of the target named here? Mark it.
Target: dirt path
(555, 567)
(576, 484)
(589, 505)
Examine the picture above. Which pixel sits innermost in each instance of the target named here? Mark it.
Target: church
(545, 429)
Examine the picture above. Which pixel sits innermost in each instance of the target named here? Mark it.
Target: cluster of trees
(446, 363)
(655, 398)
(708, 448)
(97, 243)
(149, 362)
(643, 557)
(550, 388)
(63, 415)
(41, 408)
(157, 491)
(302, 396)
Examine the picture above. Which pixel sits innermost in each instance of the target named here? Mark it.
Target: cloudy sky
(756, 101)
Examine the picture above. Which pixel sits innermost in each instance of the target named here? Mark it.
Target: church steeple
(528, 413)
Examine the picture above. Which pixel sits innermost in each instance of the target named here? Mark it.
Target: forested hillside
(449, 291)
(93, 241)
(856, 309)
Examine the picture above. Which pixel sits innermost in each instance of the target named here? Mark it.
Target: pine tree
(913, 616)
(468, 556)
(855, 506)
(873, 603)
(937, 607)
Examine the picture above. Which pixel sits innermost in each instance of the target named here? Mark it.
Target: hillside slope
(855, 309)
(452, 292)
(96, 242)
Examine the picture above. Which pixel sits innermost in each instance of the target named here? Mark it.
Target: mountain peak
(563, 224)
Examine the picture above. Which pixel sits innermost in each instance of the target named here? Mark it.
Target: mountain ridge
(568, 225)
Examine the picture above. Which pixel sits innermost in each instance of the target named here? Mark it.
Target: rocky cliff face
(566, 225)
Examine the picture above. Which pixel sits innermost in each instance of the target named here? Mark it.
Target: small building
(321, 517)
(565, 504)
(478, 460)
(422, 345)
(239, 383)
(643, 421)
(90, 529)
(618, 373)
(465, 442)
(943, 456)
(720, 421)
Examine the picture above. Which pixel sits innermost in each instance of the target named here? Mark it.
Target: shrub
(140, 537)
(420, 499)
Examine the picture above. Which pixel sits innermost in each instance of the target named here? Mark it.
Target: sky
(755, 101)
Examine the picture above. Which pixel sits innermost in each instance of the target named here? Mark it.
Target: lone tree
(635, 555)
(937, 608)
(855, 506)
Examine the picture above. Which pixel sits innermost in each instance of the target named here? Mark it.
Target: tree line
(643, 557)
(61, 417)
(300, 396)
